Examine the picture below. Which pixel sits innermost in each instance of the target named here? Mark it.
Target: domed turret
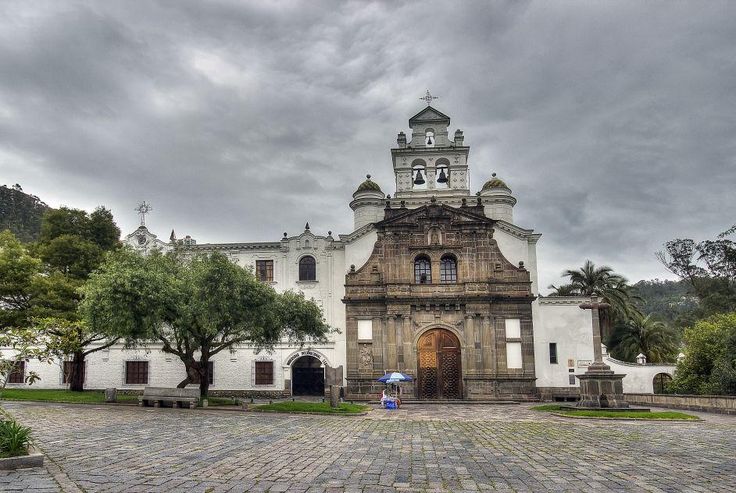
(497, 200)
(367, 204)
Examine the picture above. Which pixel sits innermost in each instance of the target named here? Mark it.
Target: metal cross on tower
(428, 98)
(143, 209)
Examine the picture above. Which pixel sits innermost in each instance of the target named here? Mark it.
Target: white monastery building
(437, 281)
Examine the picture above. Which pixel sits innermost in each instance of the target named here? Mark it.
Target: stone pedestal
(601, 388)
(111, 395)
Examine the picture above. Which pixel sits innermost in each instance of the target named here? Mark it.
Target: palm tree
(643, 334)
(601, 281)
(563, 290)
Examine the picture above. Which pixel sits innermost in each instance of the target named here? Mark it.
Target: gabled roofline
(450, 209)
(443, 117)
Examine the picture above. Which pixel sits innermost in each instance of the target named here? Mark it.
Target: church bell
(419, 179)
(443, 177)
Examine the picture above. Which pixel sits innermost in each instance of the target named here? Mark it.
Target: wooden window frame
(264, 270)
(264, 377)
(137, 372)
(18, 373)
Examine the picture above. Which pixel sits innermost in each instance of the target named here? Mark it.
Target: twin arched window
(423, 269)
(307, 269)
(448, 269)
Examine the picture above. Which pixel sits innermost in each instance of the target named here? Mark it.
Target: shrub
(14, 439)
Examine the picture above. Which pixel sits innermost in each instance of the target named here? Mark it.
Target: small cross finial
(428, 98)
(143, 209)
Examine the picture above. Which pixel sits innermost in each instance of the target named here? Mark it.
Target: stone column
(377, 348)
(407, 338)
(468, 344)
(391, 329)
(399, 328)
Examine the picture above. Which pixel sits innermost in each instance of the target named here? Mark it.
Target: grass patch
(62, 395)
(311, 407)
(221, 401)
(586, 413)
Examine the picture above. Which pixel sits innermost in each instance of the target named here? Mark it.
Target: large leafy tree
(196, 308)
(72, 244)
(646, 335)
(709, 366)
(709, 268)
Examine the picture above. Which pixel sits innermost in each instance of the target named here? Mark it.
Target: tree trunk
(192, 374)
(76, 376)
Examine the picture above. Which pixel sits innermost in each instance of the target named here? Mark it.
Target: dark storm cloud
(612, 122)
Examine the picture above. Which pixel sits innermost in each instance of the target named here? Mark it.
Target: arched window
(307, 269)
(660, 382)
(448, 269)
(429, 137)
(422, 270)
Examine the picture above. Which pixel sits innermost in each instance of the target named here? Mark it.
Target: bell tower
(430, 164)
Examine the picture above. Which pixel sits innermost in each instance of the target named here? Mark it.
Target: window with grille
(136, 372)
(307, 269)
(264, 372)
(448, 269)
(422, 270)
(67, 372)
(18, 373)
(552, 353)
(264, 270)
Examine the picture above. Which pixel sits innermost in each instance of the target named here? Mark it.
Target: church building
(437, 282)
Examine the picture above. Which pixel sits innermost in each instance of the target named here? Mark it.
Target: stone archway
(439, 365)
(660, 381)
(307, 376)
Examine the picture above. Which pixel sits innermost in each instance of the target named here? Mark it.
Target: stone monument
(600, 387)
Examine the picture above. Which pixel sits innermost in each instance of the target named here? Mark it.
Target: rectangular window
(365, 330)
(513, 328)
(18, 373)
(67, 371)
(513, 355)
(136, 372)
(571, 379)
(552, 353)
(264, 372)
(264, 270)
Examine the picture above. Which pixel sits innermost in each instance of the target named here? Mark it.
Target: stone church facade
(436, 282)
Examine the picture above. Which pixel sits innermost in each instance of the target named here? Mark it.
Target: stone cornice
(563, 300)
(519, 232)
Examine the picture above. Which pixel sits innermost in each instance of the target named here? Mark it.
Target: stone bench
(159, 395)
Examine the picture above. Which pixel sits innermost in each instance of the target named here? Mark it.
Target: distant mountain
(670, 301)
(21, 213)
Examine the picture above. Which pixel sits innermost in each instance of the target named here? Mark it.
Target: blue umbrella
(395, 377)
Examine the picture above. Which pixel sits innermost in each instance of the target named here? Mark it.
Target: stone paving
(458, 448)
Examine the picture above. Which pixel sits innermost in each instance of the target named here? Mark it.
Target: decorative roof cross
(428, 98)
(143, 209)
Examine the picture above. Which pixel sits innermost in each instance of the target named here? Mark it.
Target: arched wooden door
(440, 372)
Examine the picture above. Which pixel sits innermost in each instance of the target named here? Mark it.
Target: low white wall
(231, 371)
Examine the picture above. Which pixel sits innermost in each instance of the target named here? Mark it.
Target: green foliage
(56, 395)
(588, 413)
(709, 366)
(21, 213)
(14, 439)
(311, 407)
(709, 269)
(23, 344)
(196, 307)
(669, 301)
(643, 334)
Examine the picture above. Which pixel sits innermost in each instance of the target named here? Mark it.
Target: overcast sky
(613, 123)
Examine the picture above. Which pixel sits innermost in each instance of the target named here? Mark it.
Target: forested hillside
(670, 301)
(21, 213)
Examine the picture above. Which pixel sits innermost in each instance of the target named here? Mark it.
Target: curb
(33, 459)
(609, 418)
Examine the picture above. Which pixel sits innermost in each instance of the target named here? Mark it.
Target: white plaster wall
(639, 379)
(231, 371)
(562, 322)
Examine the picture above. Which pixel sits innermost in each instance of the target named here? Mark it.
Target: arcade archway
(307, 376)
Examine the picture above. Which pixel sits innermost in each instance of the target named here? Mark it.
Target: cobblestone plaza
(418, 448)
